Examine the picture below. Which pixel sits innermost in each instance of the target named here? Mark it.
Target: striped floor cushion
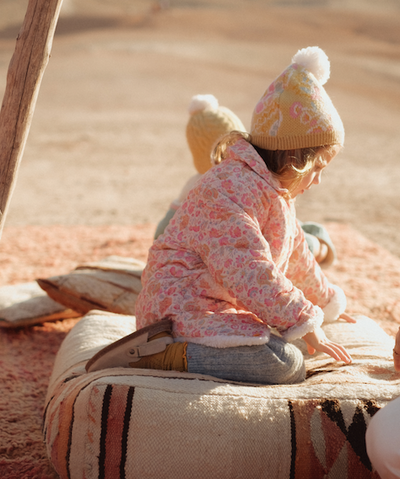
(120, 423)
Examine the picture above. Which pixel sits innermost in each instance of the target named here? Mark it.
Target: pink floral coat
(233, 262)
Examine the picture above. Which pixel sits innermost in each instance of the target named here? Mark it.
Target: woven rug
(369, 275)
(27, 355)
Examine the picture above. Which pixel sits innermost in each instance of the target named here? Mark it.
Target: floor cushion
(111, 284)
(122, 423)
(26, 304)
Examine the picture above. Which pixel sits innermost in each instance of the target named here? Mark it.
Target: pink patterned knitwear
(233, 262)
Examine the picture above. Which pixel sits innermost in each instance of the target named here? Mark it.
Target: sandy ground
(107, 142)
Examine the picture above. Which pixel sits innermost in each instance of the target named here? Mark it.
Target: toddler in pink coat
(231, 282)
(208, 122)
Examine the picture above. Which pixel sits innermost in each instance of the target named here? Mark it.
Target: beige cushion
(26, 304)
(164, 424)
(111, 284)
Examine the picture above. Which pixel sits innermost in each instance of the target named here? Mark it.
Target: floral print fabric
(233, 262)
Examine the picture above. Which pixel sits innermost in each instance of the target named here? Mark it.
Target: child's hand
(317, 341)
(396, 352)
(347, 318)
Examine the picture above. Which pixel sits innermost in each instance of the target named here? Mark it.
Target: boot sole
(105, 358)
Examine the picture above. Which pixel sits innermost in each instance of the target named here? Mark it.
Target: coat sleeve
(306, 274)
(224, 231)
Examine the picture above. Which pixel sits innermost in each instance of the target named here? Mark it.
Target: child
(208, 121)
(232, 276)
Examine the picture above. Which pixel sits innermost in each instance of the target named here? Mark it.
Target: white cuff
(336, 306)
(309, 326)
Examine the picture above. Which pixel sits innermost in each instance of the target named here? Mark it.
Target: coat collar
(243, 151)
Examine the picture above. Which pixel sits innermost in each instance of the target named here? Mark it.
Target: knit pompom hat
(207, 123)
(295, 111)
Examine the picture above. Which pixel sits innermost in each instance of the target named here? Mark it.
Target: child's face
(313, 177)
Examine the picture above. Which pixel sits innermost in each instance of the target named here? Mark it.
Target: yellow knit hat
(207, 123)
(295, 111)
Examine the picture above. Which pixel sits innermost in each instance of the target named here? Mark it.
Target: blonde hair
(219, 150)
(295, 164)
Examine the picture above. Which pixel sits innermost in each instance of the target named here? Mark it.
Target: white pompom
(315, 61)
(203, 102)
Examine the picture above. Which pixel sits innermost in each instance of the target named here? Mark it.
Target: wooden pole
(25, 73)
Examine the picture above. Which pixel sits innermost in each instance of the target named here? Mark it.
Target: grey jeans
(277, 362)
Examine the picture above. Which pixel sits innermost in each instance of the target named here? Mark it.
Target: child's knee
(289, 367)
(296, 368)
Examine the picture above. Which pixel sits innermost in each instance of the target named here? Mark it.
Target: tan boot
(173, 358)
(151, 347)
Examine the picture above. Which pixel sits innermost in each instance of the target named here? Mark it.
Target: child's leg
(152, 347)
(277, 362)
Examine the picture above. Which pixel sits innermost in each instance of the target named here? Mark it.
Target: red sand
(369, 274)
